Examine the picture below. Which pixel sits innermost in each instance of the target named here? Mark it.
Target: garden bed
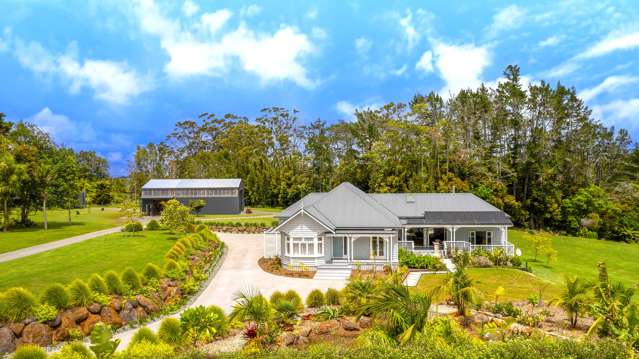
(274, 266)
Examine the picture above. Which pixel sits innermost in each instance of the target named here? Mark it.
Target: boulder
(141, 313)
(87, 325)
(326, 327)
(95, 308)
(519, 329)
(365, 322)
(116, 304)
(171, 292)
(60, 334)
(55, 322)
(305, 332)
(75, 315)
(348, 325)
(110, 316)
(303, 340)
(149, 305)
(129, 315)
(16, 328)
(288, 338)
(7, 340)
(130, 304)
(36, 333)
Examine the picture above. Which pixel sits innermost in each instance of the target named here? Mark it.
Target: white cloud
(250, 10)
(425, 62)
(189, 8)
(347, 109)
(460, 66)
(610, 44)
(609, 84)
(111, 81)
(553, 40)
(411, 34)
(62, 129)
(312, 13)
(271, 56)
(508, 18)
(619, 113)
(399, 71)
(563, 69)
(363, 46)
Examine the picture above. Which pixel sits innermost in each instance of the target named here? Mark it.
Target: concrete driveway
(239, 272)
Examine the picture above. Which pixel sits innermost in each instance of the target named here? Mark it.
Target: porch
(364, 250)
(444, 240)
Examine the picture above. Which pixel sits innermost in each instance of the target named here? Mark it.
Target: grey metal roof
(462, 218)
(416, 204)
(193, 183)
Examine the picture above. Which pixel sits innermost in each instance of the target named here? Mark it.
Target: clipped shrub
(144, 334)
(17, 304)
(146, 350)
(131, 279)
(412, 260)
(45, 312)
(29, 351)
(201, 227)
(56, 295)
(97, 284)
(172, 265)
(332, 296)
(170, 331)
(315, 299)
(294, 297)
(73, 350)
(113, 282)
(172, 255)
(153, 225)
(276, 297)
(80, 293)
(151, 271)
(133, 227)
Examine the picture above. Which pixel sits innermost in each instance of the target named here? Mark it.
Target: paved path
(25, 252)
(239, 271)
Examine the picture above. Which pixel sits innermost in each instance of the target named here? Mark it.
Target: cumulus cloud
(347, 109)
(620, 113)
(425, 62)
(460, 66)
(111, 81)
(508, 18)
(250, 10)
(411, 34)
(203, 48)
(610, 84)
(61, 128)
(363, 45)
(189, 8)
(553, 40)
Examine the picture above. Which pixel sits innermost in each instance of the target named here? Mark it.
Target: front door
(340, 247)
(377, 247)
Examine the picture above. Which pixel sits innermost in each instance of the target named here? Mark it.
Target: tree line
(36, 173)
(535, 152)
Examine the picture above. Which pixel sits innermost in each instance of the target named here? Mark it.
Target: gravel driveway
(240, 271)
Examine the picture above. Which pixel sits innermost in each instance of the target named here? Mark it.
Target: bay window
(305, 246)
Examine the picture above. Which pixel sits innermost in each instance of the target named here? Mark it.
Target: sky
(110, 75)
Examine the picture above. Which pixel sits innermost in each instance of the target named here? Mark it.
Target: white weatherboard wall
(303, 225)
(462, 233)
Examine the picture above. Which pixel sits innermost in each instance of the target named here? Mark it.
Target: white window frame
(488, 236)
(310, 244)
(381, 244)
(472, 236)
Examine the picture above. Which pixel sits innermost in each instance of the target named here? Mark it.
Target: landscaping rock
(149, 305)
(116, 304)
(305, 332)
(28, 321)
(95, 308)
(76, 314)
(110, 316)
(171, 292)
(140, 313)
(128, 315)
(303, 340)
(365, 322)
(60, 334)
(349, 326)
(326, 327)
(7, 340)
(288, 339)
(16, 328)
(130, 304)
(89, 323)
(519, 329)
(55, 322)
(36, 333)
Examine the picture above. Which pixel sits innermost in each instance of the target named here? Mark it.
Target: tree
(102, 192)
(130, 210)
(197, 205)
(10, 174)
(175, 216)
(574, 299)
(67, 184)
(91, 166)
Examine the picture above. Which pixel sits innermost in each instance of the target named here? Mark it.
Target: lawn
(263, 212)
(579, 257)
(115, 251)
(59, 228)
(519, 285)
(265, 220)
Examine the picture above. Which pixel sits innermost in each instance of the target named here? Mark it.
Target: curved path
(239, 271)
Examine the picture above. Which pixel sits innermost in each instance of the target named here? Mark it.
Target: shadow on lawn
(51, 226)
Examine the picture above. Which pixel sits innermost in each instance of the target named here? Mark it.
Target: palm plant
(574, 299)
(461, 290)
(402, 313)
(613, 310)
(358, 292)
(251, 306)
(285, 311)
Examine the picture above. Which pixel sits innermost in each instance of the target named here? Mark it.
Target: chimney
(453, 188)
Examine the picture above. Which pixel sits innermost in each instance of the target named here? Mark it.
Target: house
(222, 196)
(348, 227)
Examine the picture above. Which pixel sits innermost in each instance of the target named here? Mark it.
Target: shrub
(170, 331)
(56, 295)
(80, 293)
(200, 227)
(17, 304)
(153, 225)
(498, 257)
(276, 297)
(75, 334)
(515, 261)
(45, 312)
(146, 350)
(73, 350)
(172, 265)
(176, 217)
(151, 271)
(172, 254)
(113, 282)
(97, 284)
(131, 279)
(190, 286)
(144, 334)
(507, 309)
(200, 324)
(332, 296)
(133, 227)
(328, 313)
(315, 299)
(294, 297)
(482, 262)
(221, 325)
(29, 351)
(412, 260)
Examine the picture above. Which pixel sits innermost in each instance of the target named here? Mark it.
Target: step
(449, 264)
(333, 272)
(412, 279)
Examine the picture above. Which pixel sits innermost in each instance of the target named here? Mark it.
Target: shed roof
(193, 183)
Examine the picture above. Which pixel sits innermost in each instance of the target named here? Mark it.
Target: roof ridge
(369, 200)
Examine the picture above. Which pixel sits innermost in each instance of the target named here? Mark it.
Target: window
(377, 247)
(480, 237)
(304, 246)
(471, 236)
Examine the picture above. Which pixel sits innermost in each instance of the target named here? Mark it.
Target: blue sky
(109, 75)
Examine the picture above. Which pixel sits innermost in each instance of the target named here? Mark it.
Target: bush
(412, 260)
(151, 271)
(153, 225)
(172, 265)
(45, 312)
(144, 334)
(97, 284)
(170, 331)
(73, 350)
(315, 299)
(201, 227)
(294, 297)
(29, 351)
(498, 257)
(131, 279)
(56, 295)
(80, 293)
(332, 296)
(133, 227)
(276, 297)
(146, 350)
(113, 282)
(515, 261)
(17, 304)
(221, 325)
(482, 262)
(507, 309)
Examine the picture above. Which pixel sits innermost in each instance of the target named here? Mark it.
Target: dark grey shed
(222, 196)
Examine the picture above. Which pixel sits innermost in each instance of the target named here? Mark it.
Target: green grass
(519, 285)
(59, 228)
(115, 251)
(263, 212)
(579, 257)
(266, 221)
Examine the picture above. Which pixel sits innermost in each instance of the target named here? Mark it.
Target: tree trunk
(44, 212)
(24, 214)
(69, 212)
(5, 213)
